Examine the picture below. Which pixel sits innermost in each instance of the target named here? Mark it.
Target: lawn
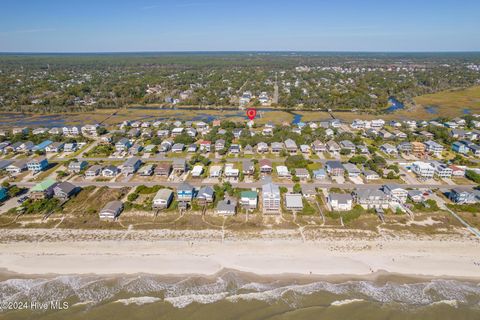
(314, 166)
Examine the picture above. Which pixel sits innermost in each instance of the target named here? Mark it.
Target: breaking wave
(339, 303)
(183, 301)
(138, 300)
(451, 303)
(233, 287)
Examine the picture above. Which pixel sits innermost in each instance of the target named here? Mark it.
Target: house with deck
(111, 210)
(294, 202)
(131, 165)
(185, 192)
(163, 198)
(65, 190)
(434, 148)
(249, 199)
(93, 171)
(17, 167)
(205, 195)
(163, 169)
(334, 168)
(226, 207)
(37, 164)
(340, 201)
(77, 166)
(291, 146)
(371, 198)
(423, 169)
(396, 193)
(43, 189)
(265, 166)
(460, 195)
(270, 198)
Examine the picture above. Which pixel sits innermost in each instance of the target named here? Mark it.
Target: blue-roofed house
(185, 192)
(460, 147)
(41, 146)
(319, 174)
(3, 193)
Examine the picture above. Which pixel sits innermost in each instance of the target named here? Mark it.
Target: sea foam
(339, 303)
(233, 287)
(138, 300)
(183, 301)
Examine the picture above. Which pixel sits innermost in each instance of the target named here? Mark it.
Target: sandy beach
(204, 252)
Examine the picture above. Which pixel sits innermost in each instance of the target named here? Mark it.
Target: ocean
(235, 295)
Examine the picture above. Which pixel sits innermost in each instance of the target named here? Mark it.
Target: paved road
(161, 157)
(275, 90)
(243, 185)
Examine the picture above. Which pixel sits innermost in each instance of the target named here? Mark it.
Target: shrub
(132, 197)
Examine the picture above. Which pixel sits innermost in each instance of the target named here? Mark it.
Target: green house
(249, 199)
(43, 189)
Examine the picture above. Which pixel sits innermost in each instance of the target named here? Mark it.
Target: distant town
(88, 82)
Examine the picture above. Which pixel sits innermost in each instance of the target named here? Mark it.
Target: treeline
(84, 82)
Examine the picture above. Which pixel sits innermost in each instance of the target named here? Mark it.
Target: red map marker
(251, 113)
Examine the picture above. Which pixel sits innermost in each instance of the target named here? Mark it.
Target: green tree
(13, 191)
(472, 175)
(297, 188)
(296, 161)
(358, 159)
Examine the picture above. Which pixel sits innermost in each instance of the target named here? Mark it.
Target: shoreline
(204, 254)
(379, 277)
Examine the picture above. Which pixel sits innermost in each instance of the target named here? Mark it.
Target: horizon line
(238, 51)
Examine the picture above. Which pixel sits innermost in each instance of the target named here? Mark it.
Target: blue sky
(213, 25)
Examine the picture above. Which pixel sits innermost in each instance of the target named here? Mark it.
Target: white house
(434, 148)
(271, 198)
(162, 199)
(396, 193)
(231, 171)
(197, 171)
(442, 170)
(423, 169)
(216, 171)
(340, 201)
(282, 171)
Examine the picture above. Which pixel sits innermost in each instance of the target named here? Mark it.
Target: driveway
(431, 182)
(449, 181)
(10, 203)
(339, 180)
(407, 176)
(356, 180)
